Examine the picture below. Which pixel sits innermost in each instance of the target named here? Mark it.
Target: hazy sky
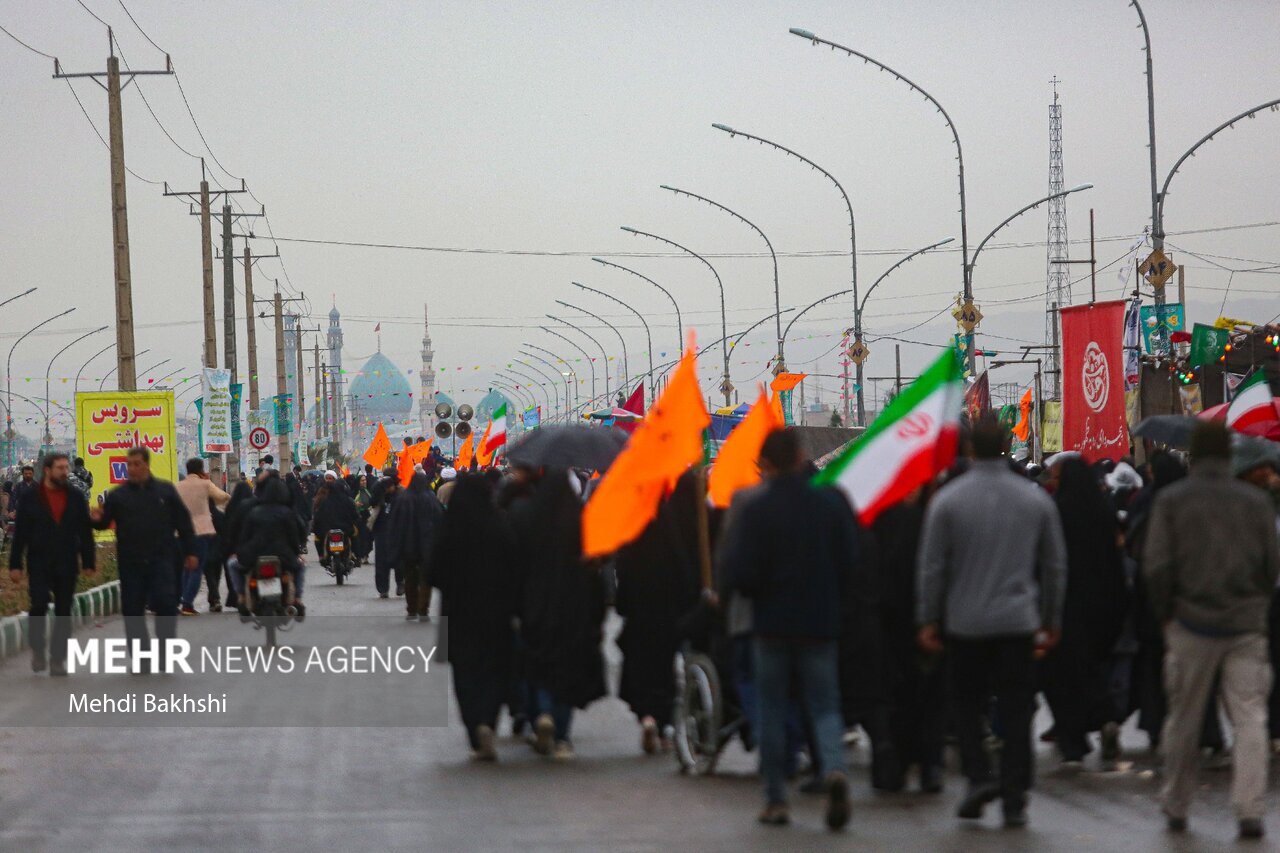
(545, 126)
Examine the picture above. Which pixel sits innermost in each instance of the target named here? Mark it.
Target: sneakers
(1111, 741)
(484, 744)
(187, 610)
(837, 800)
(38, 663)
(1015, 815)
(424, 617)
(975, 801)
(382, 595)
(302, 611)
(1252, 828)
(1174, 823)
(563, 751)
(544, 732)
(411, 617)
(649, 736)
(775, 814)
(215, 607)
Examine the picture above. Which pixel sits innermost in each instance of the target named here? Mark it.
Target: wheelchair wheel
(698, 708)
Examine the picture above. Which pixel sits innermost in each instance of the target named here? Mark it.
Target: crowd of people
(1112, 590)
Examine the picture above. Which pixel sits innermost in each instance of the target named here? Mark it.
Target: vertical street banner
(283, 411)
(261, 439)
(1158, 323)
(108, 423)
(531, 417)
(215, 411)
(236, 395)
(1093, 410)
(1051, 427)
(1132, 345)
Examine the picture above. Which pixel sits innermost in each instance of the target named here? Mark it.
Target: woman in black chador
(471, 565)
(657, 587)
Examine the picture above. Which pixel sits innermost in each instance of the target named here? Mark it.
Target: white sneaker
(484, 744)
(544, 732)
(563, 751)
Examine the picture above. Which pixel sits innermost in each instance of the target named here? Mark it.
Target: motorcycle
(269, 589)
(339, 555)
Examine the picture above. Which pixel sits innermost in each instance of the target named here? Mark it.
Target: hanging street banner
(531, 417)
(236, 396)
(1132, 345)
(1207, 343)
(1158, 323)
(283, 409)
(108, 423)
(215, 411)
(261, 439)
(1093, 415)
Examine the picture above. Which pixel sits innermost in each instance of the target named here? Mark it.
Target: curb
(88, 606)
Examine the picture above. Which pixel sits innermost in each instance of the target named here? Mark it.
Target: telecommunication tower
(1057, 293)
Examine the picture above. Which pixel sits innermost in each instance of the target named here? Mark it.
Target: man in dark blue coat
(52, 531)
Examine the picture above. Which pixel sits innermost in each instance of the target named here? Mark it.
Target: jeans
(1003, 667)
(1190, 664)
(814, 665)
(561, 714)
(62, 586)
(191, 579)
(148, 580)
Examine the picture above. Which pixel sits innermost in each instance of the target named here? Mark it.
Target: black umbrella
(1173, 430)
(593, 448)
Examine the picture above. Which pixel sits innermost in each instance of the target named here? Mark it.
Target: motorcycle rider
(334, 510)
(271, 529)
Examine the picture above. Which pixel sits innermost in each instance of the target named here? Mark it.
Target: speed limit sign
(259, 438)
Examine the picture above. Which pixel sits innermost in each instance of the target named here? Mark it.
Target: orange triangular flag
(1023, 427)
(661, 449)
(464, 455)
(379, 448)
(411, 456)
(736, 466)
(484, 460)
(786, 381)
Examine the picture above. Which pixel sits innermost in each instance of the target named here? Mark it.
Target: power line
(24, 44)
(98, 133)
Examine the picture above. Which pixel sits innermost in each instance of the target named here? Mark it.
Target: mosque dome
(381, 392)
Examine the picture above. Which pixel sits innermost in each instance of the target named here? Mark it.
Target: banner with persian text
(1093, 410)
(108, 423)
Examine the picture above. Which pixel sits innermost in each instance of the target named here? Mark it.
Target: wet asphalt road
(376, 789)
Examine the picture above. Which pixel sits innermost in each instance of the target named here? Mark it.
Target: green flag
(1207, 344)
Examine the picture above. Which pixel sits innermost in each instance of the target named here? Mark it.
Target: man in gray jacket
(1211, 563)
(991, 577)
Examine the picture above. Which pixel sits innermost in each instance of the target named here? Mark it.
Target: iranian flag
(912, 441)
(1252, 403)
(496, 434)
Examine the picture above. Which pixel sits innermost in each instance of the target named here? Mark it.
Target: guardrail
(90, 605)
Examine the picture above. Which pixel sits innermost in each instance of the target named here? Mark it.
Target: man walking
(21, 488)
(991, 575)
(52, 532)
(153, 529)
(789, 551)
(1211, 563)
(415, 526)
(199, 495)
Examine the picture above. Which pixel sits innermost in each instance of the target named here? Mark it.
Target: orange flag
(482, 458)
(787, 381)
(736, 465)
(1023, 428)
(379, 448)
(464, 455)
(411, 456)
(658, 452)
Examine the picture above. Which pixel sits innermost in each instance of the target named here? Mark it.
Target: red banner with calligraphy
(1093, 381)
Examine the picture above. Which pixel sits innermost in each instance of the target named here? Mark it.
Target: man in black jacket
(52, 531)
(789, 551)
(153, 531)
(414, 528)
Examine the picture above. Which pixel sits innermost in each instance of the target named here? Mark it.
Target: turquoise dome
(381, 391)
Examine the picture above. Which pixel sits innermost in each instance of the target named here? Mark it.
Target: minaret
(337, 387)
(427, 394)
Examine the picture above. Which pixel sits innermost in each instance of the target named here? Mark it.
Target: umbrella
(1264, 429)
(593, 448)
(1215, 413)
(614, 414)
(1173, 430)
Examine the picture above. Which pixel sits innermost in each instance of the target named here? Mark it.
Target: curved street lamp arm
(517, 387)
(1164, 190)
(49, 370)
(674, 304)
(813, 305)
(639, 316)
(26, 292)
(1151, 123)
(574, 344)
(593, 340)
(555, 388)
(529, 381)
(621, 340)
(772, 254)
(566, 364)
(1032, 206)
(955, 136)
(88, 360)
(885, 274)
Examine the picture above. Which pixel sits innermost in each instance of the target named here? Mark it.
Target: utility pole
(125, 364)
(201, 197)
(319, 383)
(229, 312)
(282, 384)
(897, 370)
(324, 400)
(300, 401)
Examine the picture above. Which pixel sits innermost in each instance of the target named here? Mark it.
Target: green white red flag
(496, 433)
(1252, 403)
(913, 440)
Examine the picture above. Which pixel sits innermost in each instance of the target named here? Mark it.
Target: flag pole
(704, 534)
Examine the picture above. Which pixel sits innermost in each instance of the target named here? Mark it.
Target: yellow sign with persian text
(108, 423)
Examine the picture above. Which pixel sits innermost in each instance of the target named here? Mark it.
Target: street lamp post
(26, 292)
(48, 437)
(89, 359)
(626, 364)
(679, 320)
(664, 369)
(643, 322)
(726, 387)
(521, 382)
(974, 260)
(530, 383)
(955, 136)
(591, 364)
(780, 365)
(555, 389)
(8, 382)
(515, 390)
(1157, 233)
(103, 384)
(564, 374)
(604, 355)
